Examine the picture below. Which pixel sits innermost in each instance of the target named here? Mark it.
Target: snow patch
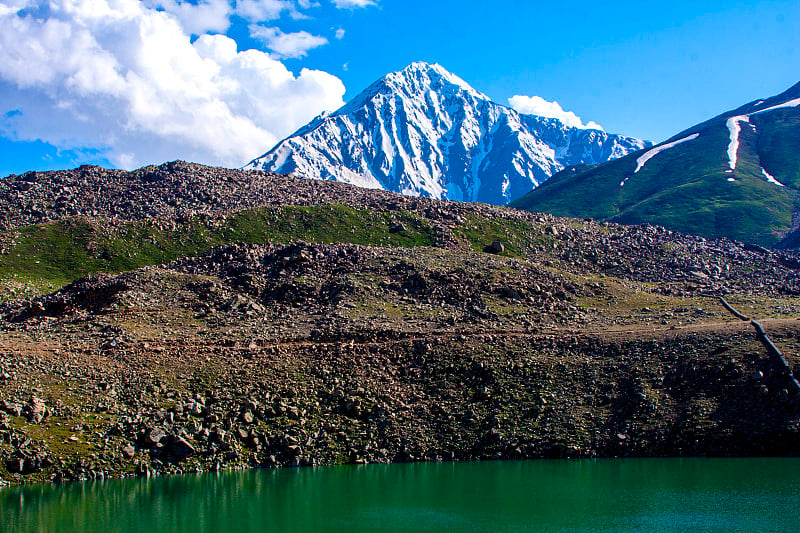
(735, 129)
(650, 154)
(790, 103)
(770, 178)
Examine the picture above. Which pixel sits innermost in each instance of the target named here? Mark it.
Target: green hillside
(689, 187)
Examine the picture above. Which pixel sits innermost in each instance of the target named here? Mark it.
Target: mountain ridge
(750, 107)
(735, 175)
(424, 131)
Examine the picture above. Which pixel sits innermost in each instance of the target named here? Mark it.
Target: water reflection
(551, 496)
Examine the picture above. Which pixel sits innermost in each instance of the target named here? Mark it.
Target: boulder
(182, 448)
(36, 410)
(12, 408)
(496, 247)
(128, 452)
(154, 437)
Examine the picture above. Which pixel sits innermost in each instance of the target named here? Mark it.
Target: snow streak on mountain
(423, 131)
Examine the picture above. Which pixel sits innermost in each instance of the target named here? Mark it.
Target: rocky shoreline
(228, 362)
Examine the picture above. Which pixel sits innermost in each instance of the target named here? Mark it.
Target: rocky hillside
(347, 325)
(175, 190)
(736, 175)
(423, 131)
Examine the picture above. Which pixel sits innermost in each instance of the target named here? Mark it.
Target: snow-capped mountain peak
(415, 82)
(419, 77)
(424, 131)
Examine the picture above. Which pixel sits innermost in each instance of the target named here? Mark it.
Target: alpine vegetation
(735, 175)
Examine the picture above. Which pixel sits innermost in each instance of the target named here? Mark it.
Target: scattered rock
(496, 247)
(128, 452)
(36, 410)
(154, 437)
(182, 448)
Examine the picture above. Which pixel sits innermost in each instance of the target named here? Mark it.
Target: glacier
(424, 131)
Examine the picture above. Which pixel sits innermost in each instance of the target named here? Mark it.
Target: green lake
(625, 495)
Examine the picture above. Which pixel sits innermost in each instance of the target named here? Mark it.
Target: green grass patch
(686, 188)
(518, 238)
(50, 255)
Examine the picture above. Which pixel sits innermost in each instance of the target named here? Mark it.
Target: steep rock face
(423, 131)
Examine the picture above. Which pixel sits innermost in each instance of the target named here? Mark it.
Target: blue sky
(140, 83)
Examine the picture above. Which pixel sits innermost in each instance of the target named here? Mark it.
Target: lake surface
(626, 495)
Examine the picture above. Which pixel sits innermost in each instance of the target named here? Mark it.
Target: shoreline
(5, 484)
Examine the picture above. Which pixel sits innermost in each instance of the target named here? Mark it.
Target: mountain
(423, 131)
(736, 175)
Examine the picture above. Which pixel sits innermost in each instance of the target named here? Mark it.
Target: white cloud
(124, 77)
(340, 33)
(295, 44)
(11, 6)
(197, 19)
(351, 4)
(536, 105)
(262, 10)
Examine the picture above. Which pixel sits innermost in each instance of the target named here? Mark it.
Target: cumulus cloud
(350, 4)
(215, 15)
(296, 44)
(262, 10)
(204, 16)
(124, 77)
(535, 105)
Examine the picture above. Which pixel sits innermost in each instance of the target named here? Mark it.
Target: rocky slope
(736, 175)
(451, 331)
(174, 190)
(423, 131)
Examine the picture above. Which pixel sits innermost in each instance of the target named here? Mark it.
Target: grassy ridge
(518, 238)
(686, 188)
(778, 142)
(57, 253)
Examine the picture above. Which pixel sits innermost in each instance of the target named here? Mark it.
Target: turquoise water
(626, 495)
